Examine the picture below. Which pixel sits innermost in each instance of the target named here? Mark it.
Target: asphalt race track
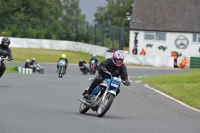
(44, 103)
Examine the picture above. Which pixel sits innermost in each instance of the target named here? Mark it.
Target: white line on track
(172, 98)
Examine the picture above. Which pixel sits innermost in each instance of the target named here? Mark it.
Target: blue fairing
(108, 81)
(95, 91)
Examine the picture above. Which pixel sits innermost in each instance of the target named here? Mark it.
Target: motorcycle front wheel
(42, 71)
(91, 70)
(105, 105)
(60, 72)
(83, 108)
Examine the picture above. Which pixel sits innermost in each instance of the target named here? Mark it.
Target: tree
(41, 19)
(42, 9)
(72, 11)
(115, 14)
(74, 20)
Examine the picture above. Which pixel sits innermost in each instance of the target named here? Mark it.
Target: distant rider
(63, 57)
(4, 52)
(95, 59)
(82, 64)
(114, 65)
(33, 61)
(33, 64)
(27, 64)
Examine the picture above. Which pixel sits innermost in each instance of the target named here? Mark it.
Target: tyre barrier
(22, 70)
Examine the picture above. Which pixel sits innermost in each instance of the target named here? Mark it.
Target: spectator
(143, 52)
(175, 56)
(134, 51)
(183, 63)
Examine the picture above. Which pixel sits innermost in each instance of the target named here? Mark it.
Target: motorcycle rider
(27, 64)
(63, 57)
(115, 66)
(95, 59)
(4, 52)
(32, 64)
(82, 64)
(33, 61)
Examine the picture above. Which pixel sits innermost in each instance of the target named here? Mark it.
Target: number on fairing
(114, 85)
(115, 82)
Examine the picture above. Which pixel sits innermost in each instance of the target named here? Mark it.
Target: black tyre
(42, 71)
(60, 70)
(60, 74)
(83, 108)
(91, 70)
(105, 105)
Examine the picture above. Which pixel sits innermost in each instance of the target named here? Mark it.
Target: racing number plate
(115, 82)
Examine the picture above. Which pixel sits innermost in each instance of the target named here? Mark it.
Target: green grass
(11, 69)
(184, 87)
(126, 48)
(51, 56)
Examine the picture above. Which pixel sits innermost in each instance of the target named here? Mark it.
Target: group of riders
(114, 65)
(31, 64)
(92, 63)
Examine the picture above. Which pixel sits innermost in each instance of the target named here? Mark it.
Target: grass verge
(184, 87)
(11, 69)
(48, 55)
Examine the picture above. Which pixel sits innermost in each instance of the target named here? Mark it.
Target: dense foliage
(115, 13)
(54, 19)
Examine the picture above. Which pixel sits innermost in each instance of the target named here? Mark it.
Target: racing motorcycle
(61, 68)
(102, 96)
(38, 68)
(84, 69)
(93, 67)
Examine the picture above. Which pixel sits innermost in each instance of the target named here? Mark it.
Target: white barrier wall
(57, 45)
(157, 61)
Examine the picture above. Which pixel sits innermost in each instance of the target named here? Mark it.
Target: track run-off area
(45, 103)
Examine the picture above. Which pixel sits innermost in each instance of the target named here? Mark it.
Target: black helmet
(5, 39)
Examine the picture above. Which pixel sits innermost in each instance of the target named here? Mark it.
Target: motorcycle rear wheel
(105, 105)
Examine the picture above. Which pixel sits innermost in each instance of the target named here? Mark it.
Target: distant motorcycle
(93, 67)
(84, 69)
(38, 68)
(61, 68)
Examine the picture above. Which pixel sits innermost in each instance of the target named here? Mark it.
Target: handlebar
(112, 76)
(2, 58)
(108, 73)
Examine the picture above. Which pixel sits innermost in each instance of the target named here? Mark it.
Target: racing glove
(103, 69)
(126, 82)
(9, 59)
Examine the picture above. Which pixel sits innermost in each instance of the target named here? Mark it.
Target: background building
(164, 26)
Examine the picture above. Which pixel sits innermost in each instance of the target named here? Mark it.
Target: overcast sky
(89, 7)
